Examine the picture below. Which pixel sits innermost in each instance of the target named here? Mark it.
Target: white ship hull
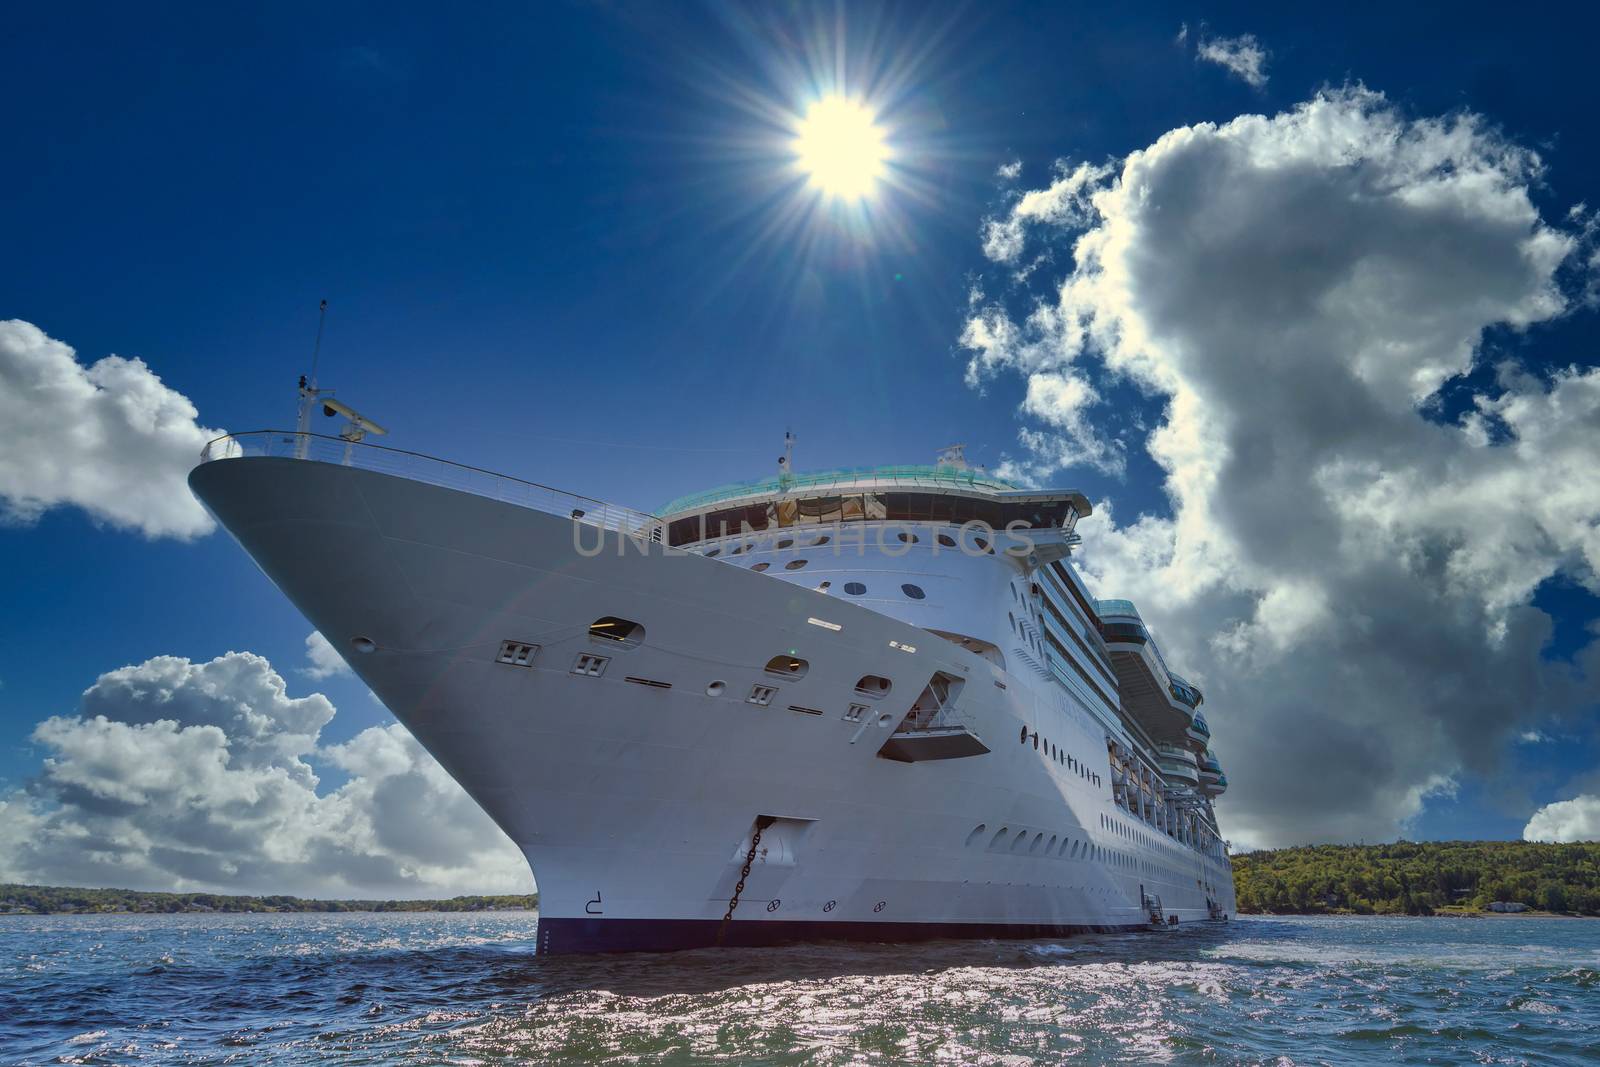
(633, 802)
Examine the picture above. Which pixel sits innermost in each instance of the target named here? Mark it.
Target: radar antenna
(357, 425)
(785, 467)
(953, 456)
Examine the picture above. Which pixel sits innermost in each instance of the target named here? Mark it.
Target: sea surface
(467, 989)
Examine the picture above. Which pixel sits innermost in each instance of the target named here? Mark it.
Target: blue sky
(566, 242)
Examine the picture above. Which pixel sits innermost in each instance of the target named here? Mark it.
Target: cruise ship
(875, 703)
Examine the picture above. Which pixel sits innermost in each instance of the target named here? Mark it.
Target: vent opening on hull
(761, 695)
(787, 666)
(651, 682)
(624, 632)
(874, 685)
(516, 653)
(590, 665)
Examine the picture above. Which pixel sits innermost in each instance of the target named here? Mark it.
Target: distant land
(1419, 878)
(55, 900)
(1401, 878)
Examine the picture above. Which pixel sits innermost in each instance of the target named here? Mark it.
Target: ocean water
(467, 989)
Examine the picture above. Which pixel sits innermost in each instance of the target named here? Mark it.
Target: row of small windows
(787, 542)
(792, 565)
(904, 537)
(912, 592)
(1060, 846)
(1055, 753)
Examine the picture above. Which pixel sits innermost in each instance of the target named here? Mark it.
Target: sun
(840, 147)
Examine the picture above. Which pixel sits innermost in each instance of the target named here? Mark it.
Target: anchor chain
(744, 872)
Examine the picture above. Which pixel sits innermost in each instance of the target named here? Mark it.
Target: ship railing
(415, 466)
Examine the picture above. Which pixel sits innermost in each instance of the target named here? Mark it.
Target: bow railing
(317, 448)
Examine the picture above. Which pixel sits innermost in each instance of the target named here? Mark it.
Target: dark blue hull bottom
(561, 937)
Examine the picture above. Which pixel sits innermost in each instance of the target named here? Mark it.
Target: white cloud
(325, 659)
(109, 438)
(1348, 578)
(1009, 171)
(181, 775)
(1242, 56)
(1064, 203)
(1577, 819)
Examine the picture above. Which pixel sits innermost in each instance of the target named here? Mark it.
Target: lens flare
(841, 148)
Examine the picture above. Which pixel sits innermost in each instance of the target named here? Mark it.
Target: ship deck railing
(414, 466)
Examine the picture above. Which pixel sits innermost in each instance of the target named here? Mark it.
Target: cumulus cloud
(325, 659)
(1346, 572)
(182, 775)
(1241, 56)
(109, 438)
(1577, 819)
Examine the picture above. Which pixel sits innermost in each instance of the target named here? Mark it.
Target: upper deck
(908, 493)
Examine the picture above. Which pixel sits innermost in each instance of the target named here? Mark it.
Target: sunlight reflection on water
(417, 988)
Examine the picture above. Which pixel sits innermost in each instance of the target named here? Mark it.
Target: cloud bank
(1577, 819)
(1347, 572)
(182, 775)
(109, 438)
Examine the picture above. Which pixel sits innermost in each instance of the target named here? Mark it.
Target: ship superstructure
(872, 703)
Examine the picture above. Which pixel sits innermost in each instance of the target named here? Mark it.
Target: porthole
(787, 542)
(795, 564)
(822, 587)
(913, 591)
(1024, 735)
(983, 546)
(366, 645)
(619, 631)
(854, 588)
(787, 666)
(947, 541)
(908, 538)
(761, 566)
(716, 689)
(874, 685)
(741, 550)
(820, 539)
(713, 553)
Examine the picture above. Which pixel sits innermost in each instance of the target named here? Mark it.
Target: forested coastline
(55, 900)
(1419, 878)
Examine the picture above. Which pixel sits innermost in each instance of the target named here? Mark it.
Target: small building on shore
(1507, 905)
